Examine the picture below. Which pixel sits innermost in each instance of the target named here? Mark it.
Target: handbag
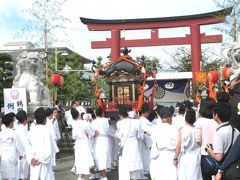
(210, 165)
(232, 172)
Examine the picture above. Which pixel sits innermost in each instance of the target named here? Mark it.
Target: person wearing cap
(21, 130)
(39, 148)
(11, 148)
(164, 137)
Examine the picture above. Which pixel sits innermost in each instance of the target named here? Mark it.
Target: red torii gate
(195, 38)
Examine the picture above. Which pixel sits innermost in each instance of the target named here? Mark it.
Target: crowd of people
(171, 143)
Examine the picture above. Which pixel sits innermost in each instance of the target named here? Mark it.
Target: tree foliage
(6, 78)
(150, 63)
(232, 22)
(181, 60)
(44, 18)
(75, 86)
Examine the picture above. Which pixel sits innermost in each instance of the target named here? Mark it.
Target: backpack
(232, 162)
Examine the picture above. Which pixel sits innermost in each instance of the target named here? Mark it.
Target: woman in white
(129, 160)
(81, 132)
(188, 150)
(102, 153)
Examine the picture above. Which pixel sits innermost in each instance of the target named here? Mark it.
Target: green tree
(181, 60)
(75, 86)
(6, 78)
(232, 22)
(99, 62)
(150, 63)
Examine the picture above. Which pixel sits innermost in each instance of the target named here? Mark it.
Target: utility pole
(46, 44)
(234, 28)
(56, 67)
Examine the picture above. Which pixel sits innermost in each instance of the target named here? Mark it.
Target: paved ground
(64, 165)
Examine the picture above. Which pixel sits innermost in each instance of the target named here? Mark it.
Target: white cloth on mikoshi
(10, 149)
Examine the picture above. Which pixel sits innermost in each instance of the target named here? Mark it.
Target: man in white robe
(164, 138)
(11, 149)
(102, 153)
(68, 115)
(145, 142)
(179, 120)
(55, 124)
(39, 148)
(50, 125)
(21, 130)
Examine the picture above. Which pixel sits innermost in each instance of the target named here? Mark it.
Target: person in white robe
(11, 149)
(114, 141)
(68, 116)
(164, 137)
(145, 142)
(130, 163)
(179, 120)
(157, 120)
(101, 150)
(188, 150)
(81, 132)
(50, 125)
(39, 148)
(55, 124)
(21, 130)
(80, 107)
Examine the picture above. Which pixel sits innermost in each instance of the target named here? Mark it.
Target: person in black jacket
(232, 157)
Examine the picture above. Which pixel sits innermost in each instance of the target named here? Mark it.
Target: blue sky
(12, 20)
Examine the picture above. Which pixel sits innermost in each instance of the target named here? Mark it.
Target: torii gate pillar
(115, 44)
(196, 48)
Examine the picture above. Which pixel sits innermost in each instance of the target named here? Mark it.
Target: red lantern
(226, 72)
(213, 76)
(57, 79)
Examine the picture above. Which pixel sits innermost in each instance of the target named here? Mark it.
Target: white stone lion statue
(30, 72)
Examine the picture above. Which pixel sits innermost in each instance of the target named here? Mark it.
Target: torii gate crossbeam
(195, 38)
